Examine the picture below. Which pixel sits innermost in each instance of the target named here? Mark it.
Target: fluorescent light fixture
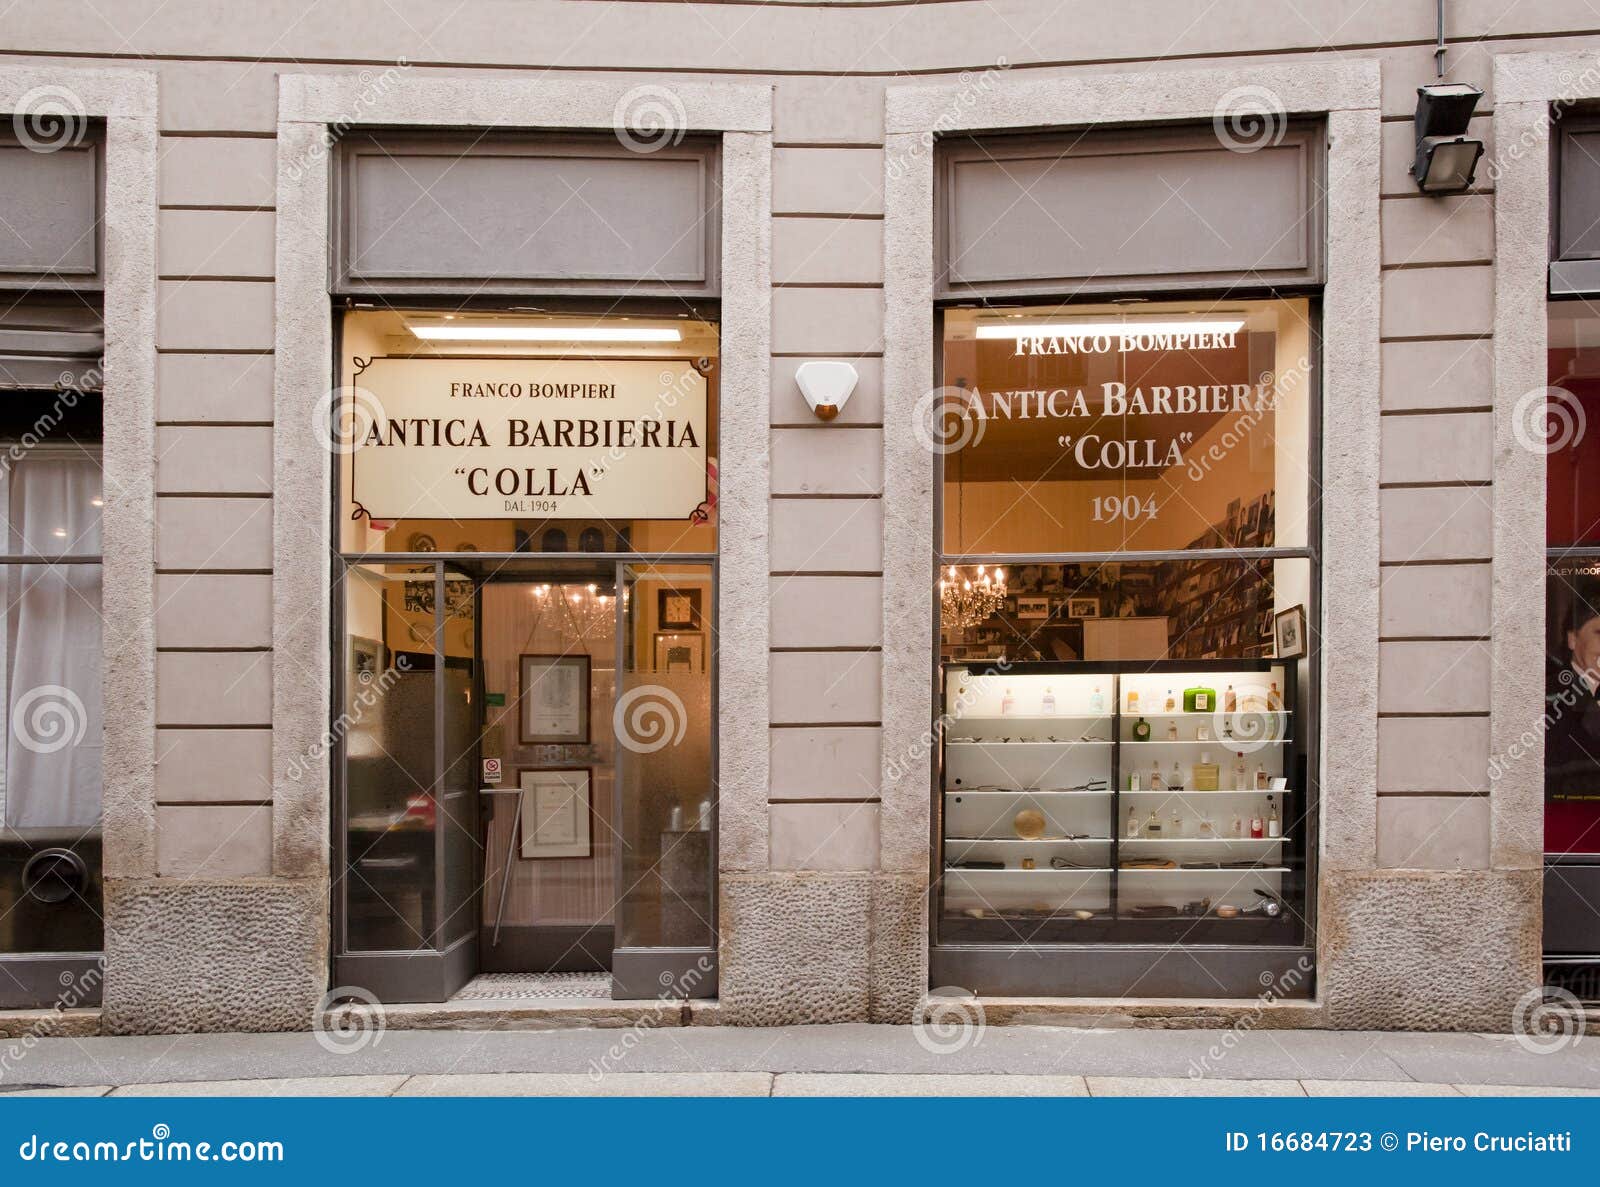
(514, 333)
(1107, 329)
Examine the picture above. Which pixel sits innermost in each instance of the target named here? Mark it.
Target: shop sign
(503, 438)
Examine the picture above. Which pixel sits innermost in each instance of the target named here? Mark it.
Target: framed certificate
(554, 699)
(555, 812)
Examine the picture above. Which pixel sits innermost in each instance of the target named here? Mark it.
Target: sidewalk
(805, 1061)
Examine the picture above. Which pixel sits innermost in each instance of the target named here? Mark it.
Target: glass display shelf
(1037, 759)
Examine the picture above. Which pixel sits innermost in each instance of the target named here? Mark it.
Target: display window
(527, 516)
(50, 655)
(1127, 601)
(1572, 635)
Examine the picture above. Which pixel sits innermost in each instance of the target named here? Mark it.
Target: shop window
(1127, 607)
(1572, 637)
(527, 761)
(50, 780)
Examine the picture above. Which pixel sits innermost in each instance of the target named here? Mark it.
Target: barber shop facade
(525, 547)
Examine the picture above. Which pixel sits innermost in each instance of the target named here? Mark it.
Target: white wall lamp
(1446, 156)
(826, 386)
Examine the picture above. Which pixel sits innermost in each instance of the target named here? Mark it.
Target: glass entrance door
(548, 642)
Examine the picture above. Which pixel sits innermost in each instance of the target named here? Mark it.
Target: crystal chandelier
(966, 600)
(588, 611)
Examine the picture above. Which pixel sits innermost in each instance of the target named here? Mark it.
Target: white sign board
(507, 438)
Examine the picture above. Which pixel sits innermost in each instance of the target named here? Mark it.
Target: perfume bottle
(1256, 829)
(1205, 773)
(1007, 702)
(1238, 827)
(1097, 701)
(1208, 830)
(1177, 824)
(1133, 822)
(1133, 780)
(1141, 730)
(1133, 700)
(1153, 825)
(1227, 729)
(1274, 701)
(1172, 703)
(1156, 783)
(1274, 825)
(1175, 783)
(1238, 772)
(1230, 701)
(1172, 731)
(1263, 780)
(1047, 704)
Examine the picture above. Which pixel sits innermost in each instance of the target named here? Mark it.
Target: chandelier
(587, 611)
(967, 599)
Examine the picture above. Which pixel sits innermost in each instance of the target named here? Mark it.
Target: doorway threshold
(595, 987)
(527, 1001)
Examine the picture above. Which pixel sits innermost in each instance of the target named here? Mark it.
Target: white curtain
(53, 712)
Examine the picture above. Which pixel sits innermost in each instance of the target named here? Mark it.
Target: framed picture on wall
(555, 812)
(1083, 607)
(553, 699)
(1290, 628)
(680, 652)
(366, 659)
(678, 610)
(1030, 607)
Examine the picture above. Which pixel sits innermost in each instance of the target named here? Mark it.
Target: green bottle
(1141, 730)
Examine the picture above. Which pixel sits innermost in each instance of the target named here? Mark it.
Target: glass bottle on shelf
(1172, 731)
(1133, 701)
(1274, 701)
(1238, 827)
(1274, 825)
(1230, 701)
(1256, 828)
(1097, 701)
(1007, 702)
(1208, 830)
(1141, 730)
(1175, 782)
(1152, 827)
(1156, 782)
(1205, 773)
(1133, 822)
(1263, 780)
(1177, 824)
(1047, 704)
(1227, 729)
(1133, 780)
(1238, 771)
(1172, 703)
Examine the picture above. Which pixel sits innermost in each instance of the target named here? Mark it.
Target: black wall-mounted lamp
(1446, 157)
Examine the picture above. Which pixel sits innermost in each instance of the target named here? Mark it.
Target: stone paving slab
(609, 1084)
(1170, 1086)
(1376, 1088)
(295, 1086)
(847, 1084)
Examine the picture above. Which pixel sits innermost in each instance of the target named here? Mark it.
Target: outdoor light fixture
(516, 333)
(1446, 156)
(826, 386)
(1106, 329)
